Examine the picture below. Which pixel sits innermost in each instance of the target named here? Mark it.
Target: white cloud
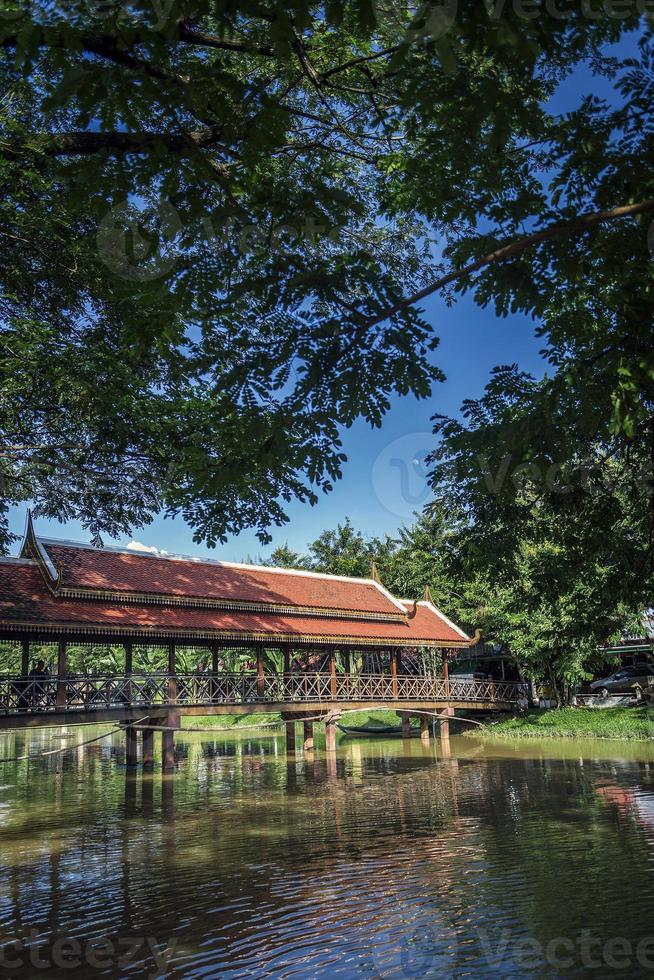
(151, 549)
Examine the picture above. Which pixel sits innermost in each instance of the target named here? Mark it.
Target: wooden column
(131, 751)
(330, 736)
(168, 750)
(290, 737)
(445, 725)
(172, 680)
(332, 673)
(148, 749)
(214, 658)
(61, 674)
(347, 661)
(424, 729)
(446, 673)
(398, 657)
(394, 673)
(126, 693)
(308, 735)
(261, 677)
(24, 657)
(171, 721)
(286, 650)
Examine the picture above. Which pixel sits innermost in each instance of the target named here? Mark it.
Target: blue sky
(384, 479)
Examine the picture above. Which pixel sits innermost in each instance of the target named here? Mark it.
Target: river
(393, 859)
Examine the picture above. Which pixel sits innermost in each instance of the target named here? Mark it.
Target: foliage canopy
(220, 217)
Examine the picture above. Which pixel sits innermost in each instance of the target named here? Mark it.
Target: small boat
(371, 730)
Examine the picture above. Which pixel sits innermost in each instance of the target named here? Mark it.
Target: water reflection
(390, 859)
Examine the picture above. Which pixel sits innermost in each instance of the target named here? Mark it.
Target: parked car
(624, 680)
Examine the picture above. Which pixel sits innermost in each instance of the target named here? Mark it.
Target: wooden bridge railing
(36, 695)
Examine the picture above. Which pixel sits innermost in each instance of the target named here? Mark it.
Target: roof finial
(374, 574)
(476, 638)
(427, 596)
(411, 614)
(29, 539)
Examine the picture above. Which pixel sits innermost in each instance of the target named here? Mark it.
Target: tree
(426, 554)
(285, 557)
(558, 555)
(225, 215)
(345, 551)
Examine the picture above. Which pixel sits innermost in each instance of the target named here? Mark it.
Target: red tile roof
(25, 601)
(109, 570)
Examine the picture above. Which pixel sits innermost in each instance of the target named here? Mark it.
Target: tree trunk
(555, 686)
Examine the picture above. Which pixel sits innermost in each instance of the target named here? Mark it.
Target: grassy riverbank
(231, 721)
(621, 723)
(236, 722)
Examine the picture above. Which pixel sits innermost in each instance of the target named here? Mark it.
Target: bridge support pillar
(131, 750)
(330, 736)
(168, 741)
(290, 737)
(445, 725)
(424, 729)
(406, 725)
(307, 727)
(148, 748)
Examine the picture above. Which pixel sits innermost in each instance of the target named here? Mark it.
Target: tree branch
(202, 39)
(85, 143)
(358, 61)
(106, 46)
(558, 230)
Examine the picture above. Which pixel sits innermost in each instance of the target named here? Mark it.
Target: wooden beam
(131, 747)
(61, 674)
(290, 737)
(445, 725)
(168, 741)
(424, 729)
(172, 679)
(332, 673)
(168, 750)
(148, 749)
(394, 688)
(446, 673)
(261, 677)
(330, 736)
